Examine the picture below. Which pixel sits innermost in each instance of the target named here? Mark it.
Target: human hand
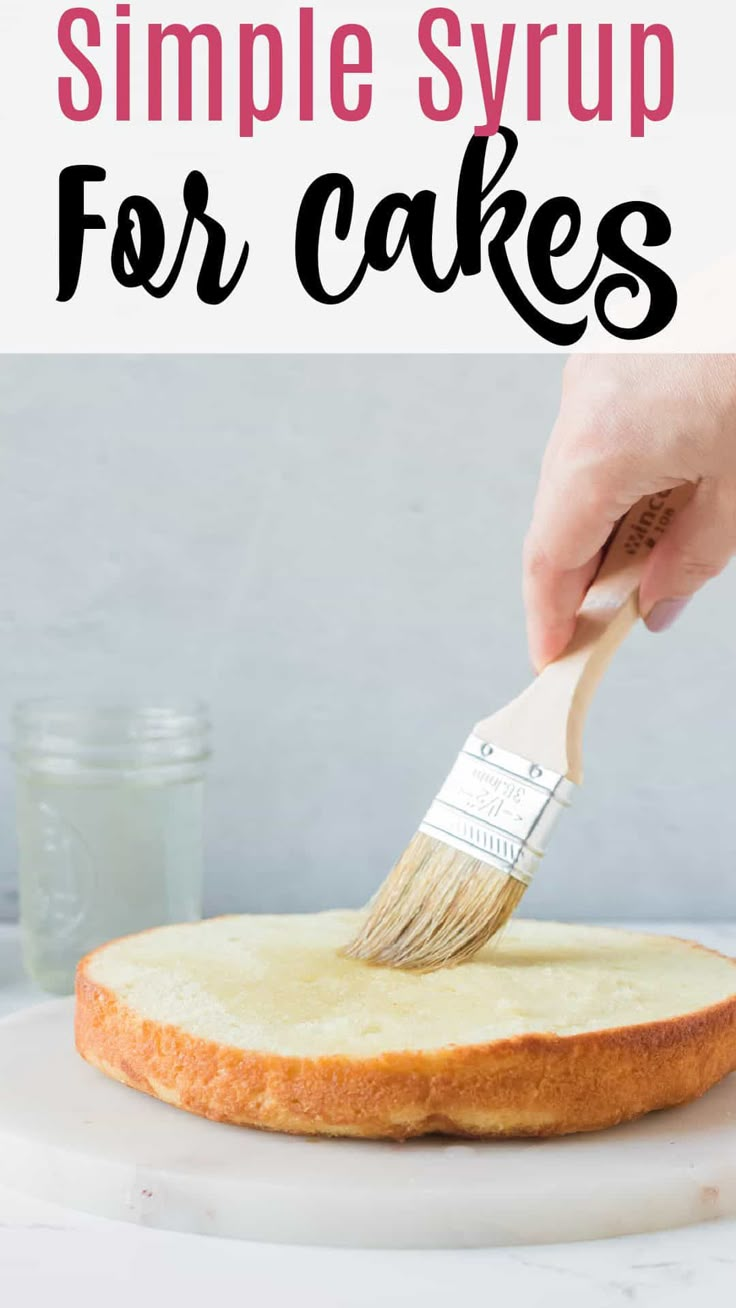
(629, 426)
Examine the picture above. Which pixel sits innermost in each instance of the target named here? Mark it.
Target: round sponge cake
(260, 1021)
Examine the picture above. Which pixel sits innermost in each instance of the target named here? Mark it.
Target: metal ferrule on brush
(499, 808)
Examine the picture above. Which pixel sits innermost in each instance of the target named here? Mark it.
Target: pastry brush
(477, 850)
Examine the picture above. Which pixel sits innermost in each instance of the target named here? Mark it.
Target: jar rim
(148, 715)
(109, 732)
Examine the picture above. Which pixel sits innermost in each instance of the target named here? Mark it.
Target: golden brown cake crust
(529, 1085)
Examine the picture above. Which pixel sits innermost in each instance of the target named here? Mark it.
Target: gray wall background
(328, 550)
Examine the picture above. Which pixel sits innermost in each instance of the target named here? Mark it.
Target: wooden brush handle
(545, 724)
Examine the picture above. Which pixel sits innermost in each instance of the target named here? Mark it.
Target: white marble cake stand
(69, 1135)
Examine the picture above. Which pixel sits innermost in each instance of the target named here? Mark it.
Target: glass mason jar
(110, 826)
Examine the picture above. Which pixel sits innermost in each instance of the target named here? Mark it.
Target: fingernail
(665, 612)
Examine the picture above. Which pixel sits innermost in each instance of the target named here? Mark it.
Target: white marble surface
(50, 1255)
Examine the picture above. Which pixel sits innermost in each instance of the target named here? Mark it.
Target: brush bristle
(437, 908)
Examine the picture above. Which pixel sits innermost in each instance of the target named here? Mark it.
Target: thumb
(697, 547)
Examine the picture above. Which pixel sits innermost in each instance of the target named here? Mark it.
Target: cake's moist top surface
(279, 985)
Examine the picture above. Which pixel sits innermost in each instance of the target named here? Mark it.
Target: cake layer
(260, 1020)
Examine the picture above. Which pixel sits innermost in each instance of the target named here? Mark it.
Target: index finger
(575, 511)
